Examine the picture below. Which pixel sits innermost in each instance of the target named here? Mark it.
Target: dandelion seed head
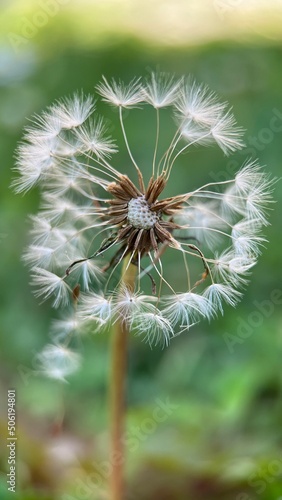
(94, 217)
(139, 214)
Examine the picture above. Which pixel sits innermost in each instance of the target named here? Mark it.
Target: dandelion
(102, 236)
(91, 210)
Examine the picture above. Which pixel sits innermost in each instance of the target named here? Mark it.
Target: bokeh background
(221, 436)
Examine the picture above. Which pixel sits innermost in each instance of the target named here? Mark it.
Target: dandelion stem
(117, 392)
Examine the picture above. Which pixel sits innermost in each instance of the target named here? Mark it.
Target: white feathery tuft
(186, 309)
(154, 327)
(50, 285)
(128, 304)
(95, 306)
(161, 90)
(196, 103)
(121, 95)
(74, 111)
(58, 362)
(217, 293)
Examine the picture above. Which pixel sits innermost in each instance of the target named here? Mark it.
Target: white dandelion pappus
(119, 94)
(58, 362)
(220, 292)
(187, 308)
(196, 102)
(161, 90)
(49, 284)
(72, 112)
(95, 306)
(129, 304)
(91, 210)
(153, 327)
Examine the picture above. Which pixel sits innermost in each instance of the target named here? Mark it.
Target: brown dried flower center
(139, 214)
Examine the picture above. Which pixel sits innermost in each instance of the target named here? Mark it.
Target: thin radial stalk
(117, 393)
(140, 176)
(221, 183)
(157, 141)
(172, 145)
(183, 149)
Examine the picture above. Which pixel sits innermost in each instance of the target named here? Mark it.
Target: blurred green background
(222, 435)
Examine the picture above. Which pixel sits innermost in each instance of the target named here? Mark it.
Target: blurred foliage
(222, 439)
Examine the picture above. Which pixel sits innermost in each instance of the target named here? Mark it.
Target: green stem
(117, 392)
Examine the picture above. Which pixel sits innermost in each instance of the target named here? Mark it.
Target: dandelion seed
(203, 223)
(153, 327)
(119, 94)
(93, 139)
(45, 127)
(39, 255)
(232, 268)
(73, 112)
(61, 328)
(226, 134)
(95, 306)
(93, 216)
(219, 292)
(196, 103)
(187, 309)
(161, 90)
(49, 284)
(58, 362)
(129, 304)
(246, 237)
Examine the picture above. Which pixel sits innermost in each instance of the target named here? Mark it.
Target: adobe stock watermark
(11, 440)
(260, 479)
(95, 481)
(255, 144)
(247, 325)
(30, 26)
(26, 373)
